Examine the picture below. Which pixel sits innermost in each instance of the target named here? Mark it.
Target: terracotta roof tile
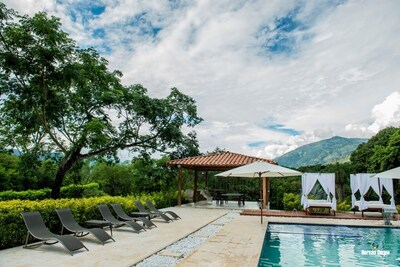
(220, 161)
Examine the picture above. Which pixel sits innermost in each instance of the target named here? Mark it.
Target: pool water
(327, 245)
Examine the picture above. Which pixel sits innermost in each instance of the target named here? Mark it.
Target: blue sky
(268, 76)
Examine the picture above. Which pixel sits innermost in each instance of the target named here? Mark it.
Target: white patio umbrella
(260, 169)
(392, 173)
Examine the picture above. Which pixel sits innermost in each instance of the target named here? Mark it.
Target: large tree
(59, 98)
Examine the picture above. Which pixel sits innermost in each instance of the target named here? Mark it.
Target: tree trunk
(56, 190)
(340, 192)
(65, 165)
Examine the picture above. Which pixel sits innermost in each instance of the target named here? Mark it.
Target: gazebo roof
(216, 162)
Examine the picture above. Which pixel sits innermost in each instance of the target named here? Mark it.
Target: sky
(267, 76)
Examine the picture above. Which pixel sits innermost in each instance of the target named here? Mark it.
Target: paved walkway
(237, 244)
(128, 249)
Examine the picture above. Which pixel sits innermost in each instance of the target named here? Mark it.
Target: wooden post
(265, 188)
(206, 179)
(179, 185)
(195, 187)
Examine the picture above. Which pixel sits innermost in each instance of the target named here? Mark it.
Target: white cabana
(362, 182)
(327, 181)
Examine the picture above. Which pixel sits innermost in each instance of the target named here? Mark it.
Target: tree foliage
(375, 155)
(59, 98)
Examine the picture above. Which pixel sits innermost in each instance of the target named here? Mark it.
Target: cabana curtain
(354, 184)
(308, 181)
(364, 183)
(388, 185)
(327, 181)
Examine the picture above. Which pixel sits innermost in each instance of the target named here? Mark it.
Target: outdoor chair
(206, 194)
(154, 210)
(107, 215)
(37, 228)
(141, 208)
(68, 222)
(125, 217)
(189, 195)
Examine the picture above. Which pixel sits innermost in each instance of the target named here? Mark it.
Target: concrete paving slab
(237, 244)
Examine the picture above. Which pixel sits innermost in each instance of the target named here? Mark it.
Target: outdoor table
(239, 196)
(387, 213)
(99, 224)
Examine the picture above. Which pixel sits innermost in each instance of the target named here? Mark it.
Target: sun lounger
(125, 217)
(107, 215)
(37, 228)
(141, 208)
(372, 205)
(154, 210)
(68, 222)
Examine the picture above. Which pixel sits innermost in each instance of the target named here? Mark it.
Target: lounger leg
(26, 242)
(34, 245)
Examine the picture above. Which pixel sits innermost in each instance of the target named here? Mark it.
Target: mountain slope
(335, 149)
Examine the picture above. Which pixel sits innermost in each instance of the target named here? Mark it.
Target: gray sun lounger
(68, 222)
(141, 208)
(37, 228)
(107, 215)
(153, 209)
(125, 217)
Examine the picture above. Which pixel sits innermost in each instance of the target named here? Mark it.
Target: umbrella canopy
(260, 169)
(392, 173)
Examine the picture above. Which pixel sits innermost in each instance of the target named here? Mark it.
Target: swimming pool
(327, 245)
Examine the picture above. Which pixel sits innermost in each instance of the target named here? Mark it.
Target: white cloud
(383, 115)
(344, 62)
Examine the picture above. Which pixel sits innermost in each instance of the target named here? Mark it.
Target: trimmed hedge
(25, 195)
(70, 191)
(13, 231)
(78, 191)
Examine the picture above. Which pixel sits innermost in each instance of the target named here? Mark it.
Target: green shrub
(291, 201)
(343, 206)
(13, 230)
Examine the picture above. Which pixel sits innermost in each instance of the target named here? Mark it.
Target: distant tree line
(144, 174)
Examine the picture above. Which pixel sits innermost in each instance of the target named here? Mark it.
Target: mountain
(335, 149)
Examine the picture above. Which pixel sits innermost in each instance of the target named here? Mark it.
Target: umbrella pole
(261, 202)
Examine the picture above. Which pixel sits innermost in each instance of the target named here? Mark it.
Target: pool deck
(238, 243)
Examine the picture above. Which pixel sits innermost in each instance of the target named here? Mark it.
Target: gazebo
(214, 162)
